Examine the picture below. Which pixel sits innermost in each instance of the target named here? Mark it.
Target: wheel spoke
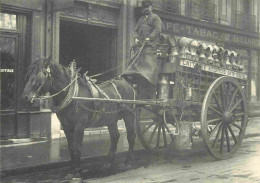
(222, 93)
(233, 97)
(158, 136)
(232, 133)
(228, 91)
(217, 136)
(164, 136)
(210, 107)
(214, 130)
(227, 139)
(214, 120)
(238, 102)
(147, 128)
(222, 140)
(239, 127)
(215, 98)
(154, 130)
(168, 130)
(228, 88)
(239, 114)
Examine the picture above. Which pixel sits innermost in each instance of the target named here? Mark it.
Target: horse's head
(38, 80)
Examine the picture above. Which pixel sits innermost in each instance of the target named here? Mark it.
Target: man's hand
(147, 39)
(136, 41)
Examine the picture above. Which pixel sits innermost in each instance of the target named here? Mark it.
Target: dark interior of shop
(93, 47)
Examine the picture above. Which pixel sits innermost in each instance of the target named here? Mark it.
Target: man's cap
(146, 3)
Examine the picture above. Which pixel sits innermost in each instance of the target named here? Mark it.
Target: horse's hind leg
(114, 137)
(129, 123)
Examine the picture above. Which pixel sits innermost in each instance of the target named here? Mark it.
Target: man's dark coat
(146, 64)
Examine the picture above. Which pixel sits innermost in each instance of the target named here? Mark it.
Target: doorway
(8, 85)
(93, 48)
(13, 62)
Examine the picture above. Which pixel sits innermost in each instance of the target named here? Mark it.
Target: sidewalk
(26, 157)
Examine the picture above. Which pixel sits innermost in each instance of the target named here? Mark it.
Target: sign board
(214, 69)
(205, 33)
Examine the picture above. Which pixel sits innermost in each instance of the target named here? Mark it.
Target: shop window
(201, 9)
(223, 9)
(243, 16)
(7, 21)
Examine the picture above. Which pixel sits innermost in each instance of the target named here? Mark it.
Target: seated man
(144, 72)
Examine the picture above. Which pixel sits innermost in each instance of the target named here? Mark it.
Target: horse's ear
(48, 61)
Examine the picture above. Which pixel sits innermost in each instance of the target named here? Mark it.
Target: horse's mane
(41, 63)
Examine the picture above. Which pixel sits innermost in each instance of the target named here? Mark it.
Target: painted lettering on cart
(213, 69)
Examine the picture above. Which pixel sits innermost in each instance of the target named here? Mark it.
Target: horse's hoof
(129, 166)
(68, 177)
(106, 166)
(76, 180)
(77, 174)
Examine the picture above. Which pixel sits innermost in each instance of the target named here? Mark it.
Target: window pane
(7, 21)
(7, 75)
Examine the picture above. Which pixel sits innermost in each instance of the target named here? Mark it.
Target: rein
(135, 56)
(64, 89)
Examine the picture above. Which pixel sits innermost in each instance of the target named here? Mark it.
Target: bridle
(72, 88)
(47, 76)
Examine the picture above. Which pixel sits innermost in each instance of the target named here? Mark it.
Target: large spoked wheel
(224, 117)
(155, 129)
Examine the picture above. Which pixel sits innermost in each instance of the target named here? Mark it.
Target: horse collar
(73, 92)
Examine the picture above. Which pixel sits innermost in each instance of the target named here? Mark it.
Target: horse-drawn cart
(201, 84)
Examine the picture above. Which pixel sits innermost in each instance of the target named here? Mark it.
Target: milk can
(163, 87)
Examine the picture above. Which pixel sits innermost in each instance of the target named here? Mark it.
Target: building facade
(98, 34)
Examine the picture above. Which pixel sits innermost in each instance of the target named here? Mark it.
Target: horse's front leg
(129, 123)
(69, 133)
(114, 137)
(78, 139)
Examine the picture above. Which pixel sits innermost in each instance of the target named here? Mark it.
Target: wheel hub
(227, 117)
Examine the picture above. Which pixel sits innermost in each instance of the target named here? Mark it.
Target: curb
(121, 156)
(4, 143)
(252, 135)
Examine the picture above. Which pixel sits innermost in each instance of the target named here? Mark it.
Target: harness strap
(99, 90)
(118, 94)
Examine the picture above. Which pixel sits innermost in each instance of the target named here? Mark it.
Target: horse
(63, 83)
